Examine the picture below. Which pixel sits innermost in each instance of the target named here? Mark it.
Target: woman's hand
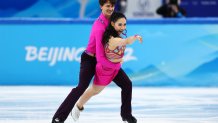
(138, 37)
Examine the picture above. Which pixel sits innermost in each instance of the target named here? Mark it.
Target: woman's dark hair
(102, 2)
(110, 31)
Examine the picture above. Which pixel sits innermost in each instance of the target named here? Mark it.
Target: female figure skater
(114, 47)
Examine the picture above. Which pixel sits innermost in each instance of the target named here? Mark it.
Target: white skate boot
(75, 113)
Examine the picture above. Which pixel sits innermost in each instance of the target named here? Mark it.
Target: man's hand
(174, 8)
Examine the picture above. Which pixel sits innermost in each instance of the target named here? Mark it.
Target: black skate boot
(130, 119)
(56, 120)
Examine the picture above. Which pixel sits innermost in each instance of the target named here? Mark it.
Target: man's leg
(123, 81)
(87, 71)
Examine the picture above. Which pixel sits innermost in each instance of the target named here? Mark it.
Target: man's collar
(104, 19)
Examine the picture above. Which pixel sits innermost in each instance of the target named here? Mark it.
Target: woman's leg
(91, 91)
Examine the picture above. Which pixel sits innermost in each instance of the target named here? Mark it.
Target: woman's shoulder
(114, 39)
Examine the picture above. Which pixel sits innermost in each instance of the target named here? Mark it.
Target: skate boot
(130, 120)
(57, 120)
(75, 113)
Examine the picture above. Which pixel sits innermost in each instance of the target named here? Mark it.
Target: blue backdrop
(174, 52)
(201, 8)
(88, 9)
(49, 8)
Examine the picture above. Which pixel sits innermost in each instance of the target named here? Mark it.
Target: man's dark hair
(175, 2)
(102, 2)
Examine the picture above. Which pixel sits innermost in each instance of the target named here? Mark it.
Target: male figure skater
(87, 70)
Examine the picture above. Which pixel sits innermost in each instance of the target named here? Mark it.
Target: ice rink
(37, 104)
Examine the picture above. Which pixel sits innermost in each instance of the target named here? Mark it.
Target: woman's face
(119, 25)
(107, 9)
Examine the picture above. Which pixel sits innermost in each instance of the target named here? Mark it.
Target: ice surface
(37, 104)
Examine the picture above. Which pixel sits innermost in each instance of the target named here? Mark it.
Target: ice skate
(57, 120)
(131, 119)
(75, 113)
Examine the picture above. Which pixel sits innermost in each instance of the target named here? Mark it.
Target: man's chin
(110, 13)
